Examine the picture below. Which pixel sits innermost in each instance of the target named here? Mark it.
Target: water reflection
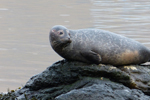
(24, 28)
(124, 17)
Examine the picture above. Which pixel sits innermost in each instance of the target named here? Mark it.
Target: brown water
(25, 25)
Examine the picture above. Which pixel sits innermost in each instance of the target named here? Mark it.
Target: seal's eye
(61, 33)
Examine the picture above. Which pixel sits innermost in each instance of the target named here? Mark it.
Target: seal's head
(59, 36)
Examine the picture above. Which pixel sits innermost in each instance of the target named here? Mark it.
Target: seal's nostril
(68, 37)
(69, 40)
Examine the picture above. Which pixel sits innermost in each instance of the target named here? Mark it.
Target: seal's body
(97, 46)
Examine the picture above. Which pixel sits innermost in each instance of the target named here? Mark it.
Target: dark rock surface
(103, 90)
(66, 80)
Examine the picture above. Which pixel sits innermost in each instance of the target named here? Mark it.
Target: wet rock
(103, 90)
(66, 80)
(140, 76)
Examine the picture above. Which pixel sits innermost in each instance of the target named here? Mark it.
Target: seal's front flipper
(91, 56)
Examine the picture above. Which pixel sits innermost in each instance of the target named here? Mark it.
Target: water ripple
(3, 9)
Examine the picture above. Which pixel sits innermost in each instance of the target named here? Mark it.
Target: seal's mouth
(69, 40)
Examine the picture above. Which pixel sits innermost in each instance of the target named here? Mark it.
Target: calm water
(25, 25)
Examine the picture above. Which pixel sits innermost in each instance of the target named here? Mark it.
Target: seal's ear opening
(53, 30)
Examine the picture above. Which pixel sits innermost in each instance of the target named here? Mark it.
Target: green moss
(9, 95)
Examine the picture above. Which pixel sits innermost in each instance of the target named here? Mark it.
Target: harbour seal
(97, 46)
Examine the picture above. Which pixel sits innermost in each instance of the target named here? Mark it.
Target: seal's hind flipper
(91, 56)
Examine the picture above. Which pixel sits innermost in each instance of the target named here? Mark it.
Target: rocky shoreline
(70, 80)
